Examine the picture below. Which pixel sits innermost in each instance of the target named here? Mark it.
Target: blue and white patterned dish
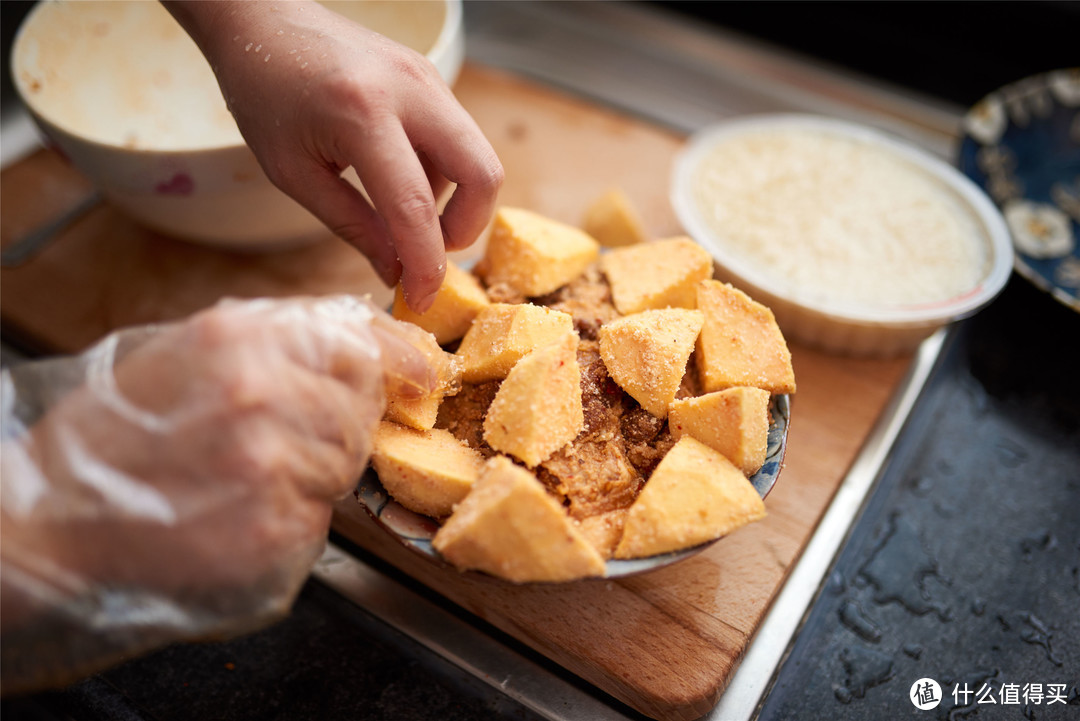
(1021, 144)
(416, 531)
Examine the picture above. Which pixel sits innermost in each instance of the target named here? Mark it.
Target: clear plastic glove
(314, 93)
(176, 482)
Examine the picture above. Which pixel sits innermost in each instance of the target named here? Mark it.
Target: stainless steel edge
(458, 642)
(769, 645)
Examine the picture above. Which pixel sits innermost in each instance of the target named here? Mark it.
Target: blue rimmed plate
(416, 531)
(1021, 144)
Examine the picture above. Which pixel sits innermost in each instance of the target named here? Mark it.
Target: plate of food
(1021, 144)
(618, 410)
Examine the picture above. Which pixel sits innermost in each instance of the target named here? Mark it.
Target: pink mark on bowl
(179, 184)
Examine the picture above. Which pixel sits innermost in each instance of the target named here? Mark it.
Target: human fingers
(436, 180)
(345, 211)
(351, 340)
(413, 363)
(457, 149)
(317, 447)
(395, 180)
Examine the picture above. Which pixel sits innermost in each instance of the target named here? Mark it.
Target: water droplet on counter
(853, 617)
(946, 510)
(978, 606)
(1040, 541)
(1011, 455)
(913, 650)
(1032, 630)
(922, 486)
(836, 583)
(864, 668)
(1038, 634)
(973, 681)
(900, 568)
(959, 712)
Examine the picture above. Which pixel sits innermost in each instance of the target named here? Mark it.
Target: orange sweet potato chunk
(740, 343)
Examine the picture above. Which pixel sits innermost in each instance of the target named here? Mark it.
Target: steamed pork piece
(587, 299)
(463, 414)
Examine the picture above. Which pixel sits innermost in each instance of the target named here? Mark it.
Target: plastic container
(816, 315)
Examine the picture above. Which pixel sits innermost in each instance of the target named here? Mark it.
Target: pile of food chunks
(613, 404)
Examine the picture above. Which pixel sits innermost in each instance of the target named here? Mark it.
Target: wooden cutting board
(665, 643)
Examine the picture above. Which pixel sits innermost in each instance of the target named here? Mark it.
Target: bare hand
(313, 93)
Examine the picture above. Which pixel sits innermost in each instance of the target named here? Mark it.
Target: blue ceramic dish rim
(1025, 265)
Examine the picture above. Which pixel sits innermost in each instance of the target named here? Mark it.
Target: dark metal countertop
(964, 565)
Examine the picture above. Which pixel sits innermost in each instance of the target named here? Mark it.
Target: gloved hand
(176, 482)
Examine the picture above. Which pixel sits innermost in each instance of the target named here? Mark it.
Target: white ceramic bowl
(124, 93)
(828, 315)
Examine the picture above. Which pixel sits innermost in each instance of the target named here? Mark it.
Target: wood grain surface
(664, 643)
